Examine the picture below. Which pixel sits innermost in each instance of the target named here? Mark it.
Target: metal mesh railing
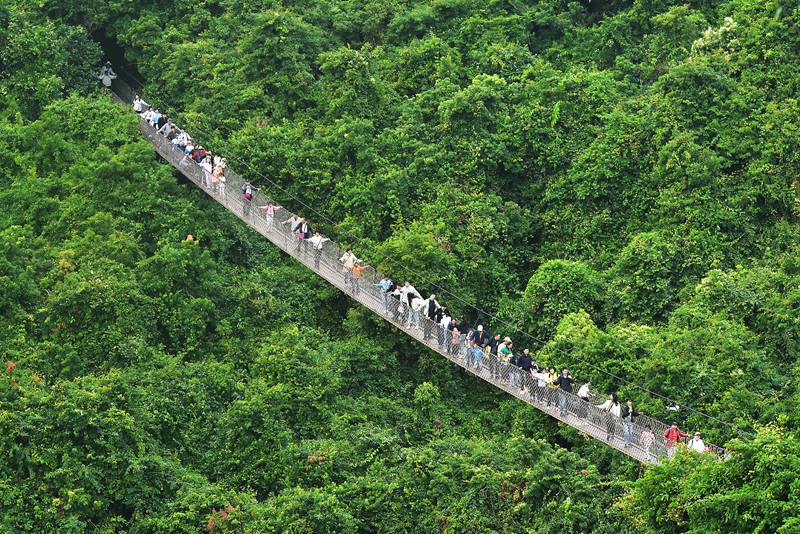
(567, 407)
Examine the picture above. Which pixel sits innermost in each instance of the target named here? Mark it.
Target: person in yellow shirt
(552, 386)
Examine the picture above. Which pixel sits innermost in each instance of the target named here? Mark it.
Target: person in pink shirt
(269, 211)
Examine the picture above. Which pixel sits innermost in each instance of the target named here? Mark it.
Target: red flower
(10, 366)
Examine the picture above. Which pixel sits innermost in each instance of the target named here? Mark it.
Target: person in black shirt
(494, 366)
(564, 383)
(628, 415)
(480, 337)
(525, 364)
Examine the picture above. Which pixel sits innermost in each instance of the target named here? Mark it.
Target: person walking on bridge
(430, 309)
(647, 440)
(407, 294)
(317, 241)
(584, 394)
(480, 337)
(269, 212)
(139, 105)
(525, 364)
(474, 356)
(358, 268)
(107, 75)
(303, 234)
(294, 223)
(697, 444)
(384, 286)
(564, 383)
(628, 417)
(348, 261)
(672, 435)
(247, 198)
(613, 411)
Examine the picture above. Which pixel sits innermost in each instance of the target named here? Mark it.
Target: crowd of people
(481, 351)
(212, 165)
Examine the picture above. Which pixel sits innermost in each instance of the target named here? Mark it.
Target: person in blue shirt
(384, 285)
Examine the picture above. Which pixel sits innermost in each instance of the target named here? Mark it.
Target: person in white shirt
(416, 307)
(155, 115)
(444, 322)
(430, 308)
(647, 439)
(540, 391)
(207, 168)
(407, 292)
(317, 242)
(139, 105)
(584, 394)
(613, 411)
(348, 261)
(107, 74)
(696, 443)
(293, 222)
(166, 129)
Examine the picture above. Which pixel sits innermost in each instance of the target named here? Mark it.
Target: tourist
(494, 364)
(525, 364)
(107, 75)
(139, 105)
(317, 241)
(303, 233)
(672, 435)
(215, 179)
(205, 166)
(585, 395)
(504, 353)
(396, 296)
(647, 440)
(430, 308)
(696, 443)
(416, 308)
(540, 376)
(455, 341)
(628, 416)
(564, 383)
(613, 411)
(384, 286)
(294, 222)
(552, 376)
(358, 268)
(474, 356)
(407, 294)
(480, 337)
(348, 261)
(247, 198)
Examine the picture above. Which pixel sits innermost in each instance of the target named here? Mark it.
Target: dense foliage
(616, 178)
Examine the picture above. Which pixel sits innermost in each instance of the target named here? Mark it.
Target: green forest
(617, 179)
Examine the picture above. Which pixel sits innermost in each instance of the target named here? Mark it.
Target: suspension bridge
(566, 407)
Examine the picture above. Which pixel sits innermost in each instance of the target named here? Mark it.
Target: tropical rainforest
(614, 180)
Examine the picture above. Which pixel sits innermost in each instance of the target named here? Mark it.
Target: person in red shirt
(672, 435)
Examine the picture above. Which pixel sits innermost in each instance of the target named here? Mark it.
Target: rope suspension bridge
(564, 406)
